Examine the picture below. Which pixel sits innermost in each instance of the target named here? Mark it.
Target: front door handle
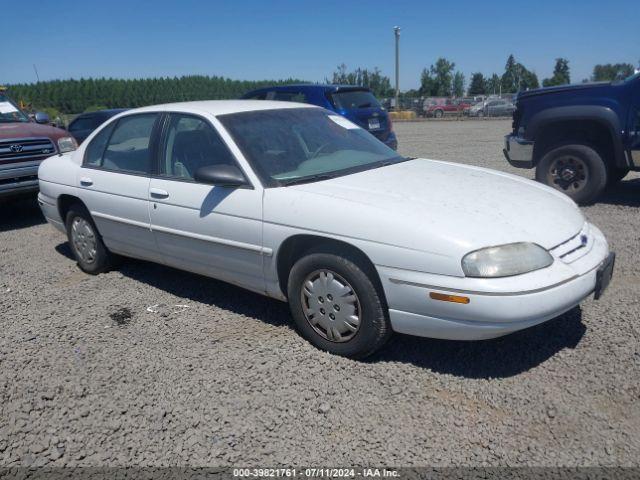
(86, 181)
(158, 193)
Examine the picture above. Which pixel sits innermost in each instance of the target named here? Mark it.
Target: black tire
(374, 328)
(591, 161)
(103, 259)
(616, 175)
(438, 114)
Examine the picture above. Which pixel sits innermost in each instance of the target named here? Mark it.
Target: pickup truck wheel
(336, 306)
(438, 114)
(576, 170)
(85, 241)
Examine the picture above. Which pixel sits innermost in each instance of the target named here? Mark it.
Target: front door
(115, 179)
(214, 231)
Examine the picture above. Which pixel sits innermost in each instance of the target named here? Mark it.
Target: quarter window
(192, 143)
(129, 146)
(93, 155)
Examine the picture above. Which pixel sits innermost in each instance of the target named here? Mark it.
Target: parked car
(300, 204)
(24, 143)
(477, 110)
(579, 138)
(85, 123)
(450, 107)
(499, 108)
(358, 104)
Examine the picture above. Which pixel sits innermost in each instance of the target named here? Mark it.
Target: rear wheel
(336, 305)
(85, 241)
(438, 114)
(576, 170)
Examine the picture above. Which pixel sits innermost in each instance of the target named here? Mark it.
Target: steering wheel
(319, 149)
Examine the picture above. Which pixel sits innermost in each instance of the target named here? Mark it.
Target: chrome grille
(25, 149)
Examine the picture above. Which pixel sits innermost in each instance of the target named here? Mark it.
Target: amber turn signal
(449, 298)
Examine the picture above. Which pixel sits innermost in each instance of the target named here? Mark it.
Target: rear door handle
(158, 193)
(86, 181)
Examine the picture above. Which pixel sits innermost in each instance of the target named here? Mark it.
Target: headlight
(67, 144)
(506, 260)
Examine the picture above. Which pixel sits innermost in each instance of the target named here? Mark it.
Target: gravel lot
(151, 366)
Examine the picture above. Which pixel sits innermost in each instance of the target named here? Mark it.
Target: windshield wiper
(309, 179)
(365, 105)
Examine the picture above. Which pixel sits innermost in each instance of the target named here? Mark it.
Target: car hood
(18, 130)
(432, 206)
(580, 87)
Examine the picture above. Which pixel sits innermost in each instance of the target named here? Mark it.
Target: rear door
(215, 231)
(114, 179)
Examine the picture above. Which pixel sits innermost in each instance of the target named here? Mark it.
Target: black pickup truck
(580, 138)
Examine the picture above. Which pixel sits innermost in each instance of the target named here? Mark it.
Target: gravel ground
(147, 365)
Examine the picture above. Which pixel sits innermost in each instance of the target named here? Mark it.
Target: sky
(272, 39)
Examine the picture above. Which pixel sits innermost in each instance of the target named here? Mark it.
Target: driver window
(191, 143)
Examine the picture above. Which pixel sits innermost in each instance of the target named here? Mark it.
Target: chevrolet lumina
(300, 204)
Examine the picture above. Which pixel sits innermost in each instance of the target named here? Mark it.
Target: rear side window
(95, 150)
(257, 96)
(354, 99)
(287, 96)
(129, 146)
(84, 123)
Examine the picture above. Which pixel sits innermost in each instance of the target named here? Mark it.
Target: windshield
(288, 146)
(353, 99)
(9, 113)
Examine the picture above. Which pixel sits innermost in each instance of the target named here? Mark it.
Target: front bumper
(518, 151)
(18, 180)
(496, 307)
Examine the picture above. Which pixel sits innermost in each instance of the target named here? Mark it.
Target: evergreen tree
(561, 74)
(478, 84)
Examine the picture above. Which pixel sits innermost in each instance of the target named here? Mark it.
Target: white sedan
(294, 202)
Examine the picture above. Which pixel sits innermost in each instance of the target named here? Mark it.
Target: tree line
(441, 79)
(86, 94)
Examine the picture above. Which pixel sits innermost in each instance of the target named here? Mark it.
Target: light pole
(396, 30)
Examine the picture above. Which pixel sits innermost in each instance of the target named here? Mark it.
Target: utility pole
(396, 30)
(36, 70)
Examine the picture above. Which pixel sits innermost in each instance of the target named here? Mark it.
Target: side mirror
(221, 175)
(42, 117)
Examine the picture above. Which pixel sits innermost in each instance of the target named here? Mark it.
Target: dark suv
(358, 104)
(580, 138)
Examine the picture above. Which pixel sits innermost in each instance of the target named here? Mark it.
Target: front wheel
(438, 114)
(576, 170)
(336, 305)
(87, 246)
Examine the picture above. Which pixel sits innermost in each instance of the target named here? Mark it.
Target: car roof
(222, 107)
(102, 113)
(305, 87)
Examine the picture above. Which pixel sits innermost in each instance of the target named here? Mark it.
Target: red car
(450, 107)
(24, 143)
